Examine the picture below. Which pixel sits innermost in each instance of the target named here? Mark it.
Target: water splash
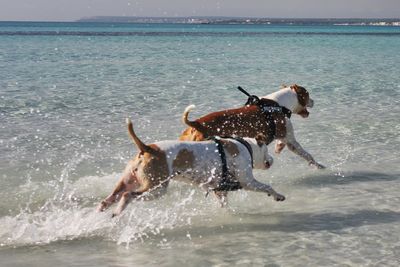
(70, 214)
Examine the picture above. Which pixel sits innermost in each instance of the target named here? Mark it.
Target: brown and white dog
(192, 162)
(248, 121)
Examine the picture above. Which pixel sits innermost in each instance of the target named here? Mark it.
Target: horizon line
(205, 17)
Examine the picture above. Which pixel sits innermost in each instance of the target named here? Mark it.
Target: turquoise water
(66, 89)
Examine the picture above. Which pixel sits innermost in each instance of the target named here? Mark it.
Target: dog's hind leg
(145, 192)
(279, 146)
(123, 202)
(126, 198)
(113, 197)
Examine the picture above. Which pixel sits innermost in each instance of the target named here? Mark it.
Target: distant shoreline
(245, 20)
(230, 21)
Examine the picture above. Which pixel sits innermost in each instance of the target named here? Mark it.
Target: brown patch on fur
(191, 134)
(242, 121)
(157, 167)
(147, 171)
(230, 147)
(184, 159)
(280, 122)
(260, 139)
(185, 134)
(246, 121)
(303, 97)
(302, 94)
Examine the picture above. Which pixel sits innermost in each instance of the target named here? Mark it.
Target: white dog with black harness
(218, 165)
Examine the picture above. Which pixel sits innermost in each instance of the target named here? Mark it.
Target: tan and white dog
(248, 121)
(197, 163)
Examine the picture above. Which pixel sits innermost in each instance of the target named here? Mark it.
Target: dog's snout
(310, 103)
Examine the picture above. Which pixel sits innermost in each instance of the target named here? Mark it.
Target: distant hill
(124, 19)
(241, 20)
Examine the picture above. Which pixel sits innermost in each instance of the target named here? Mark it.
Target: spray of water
(66, 210)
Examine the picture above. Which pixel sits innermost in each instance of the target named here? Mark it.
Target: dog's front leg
(260, 187)
(250, 183)
(296, 148)
(279, 146)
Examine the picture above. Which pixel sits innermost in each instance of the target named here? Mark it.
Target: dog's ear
(261, 139)
(302, 94)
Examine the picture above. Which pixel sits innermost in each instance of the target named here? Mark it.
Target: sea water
(66, 89)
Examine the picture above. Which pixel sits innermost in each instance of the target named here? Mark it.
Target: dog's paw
(102, 206)
(279, 147)
(279, 197)
(316, 165)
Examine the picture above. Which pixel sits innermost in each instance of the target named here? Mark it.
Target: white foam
(73, 215)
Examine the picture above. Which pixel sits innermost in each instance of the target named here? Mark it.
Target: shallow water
(64, 100)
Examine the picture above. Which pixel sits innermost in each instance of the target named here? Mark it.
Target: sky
(70, 10)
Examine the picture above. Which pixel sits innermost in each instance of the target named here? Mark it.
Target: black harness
(270, 106)
(246, 145)
(227, 184)
(267, 107)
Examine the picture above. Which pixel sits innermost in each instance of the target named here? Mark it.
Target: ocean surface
(66, 89)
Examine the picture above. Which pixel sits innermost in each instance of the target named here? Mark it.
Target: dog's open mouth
(304, 113)
(267, 165)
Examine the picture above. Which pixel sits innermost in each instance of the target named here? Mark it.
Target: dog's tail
(185, 119)
(142, 146)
